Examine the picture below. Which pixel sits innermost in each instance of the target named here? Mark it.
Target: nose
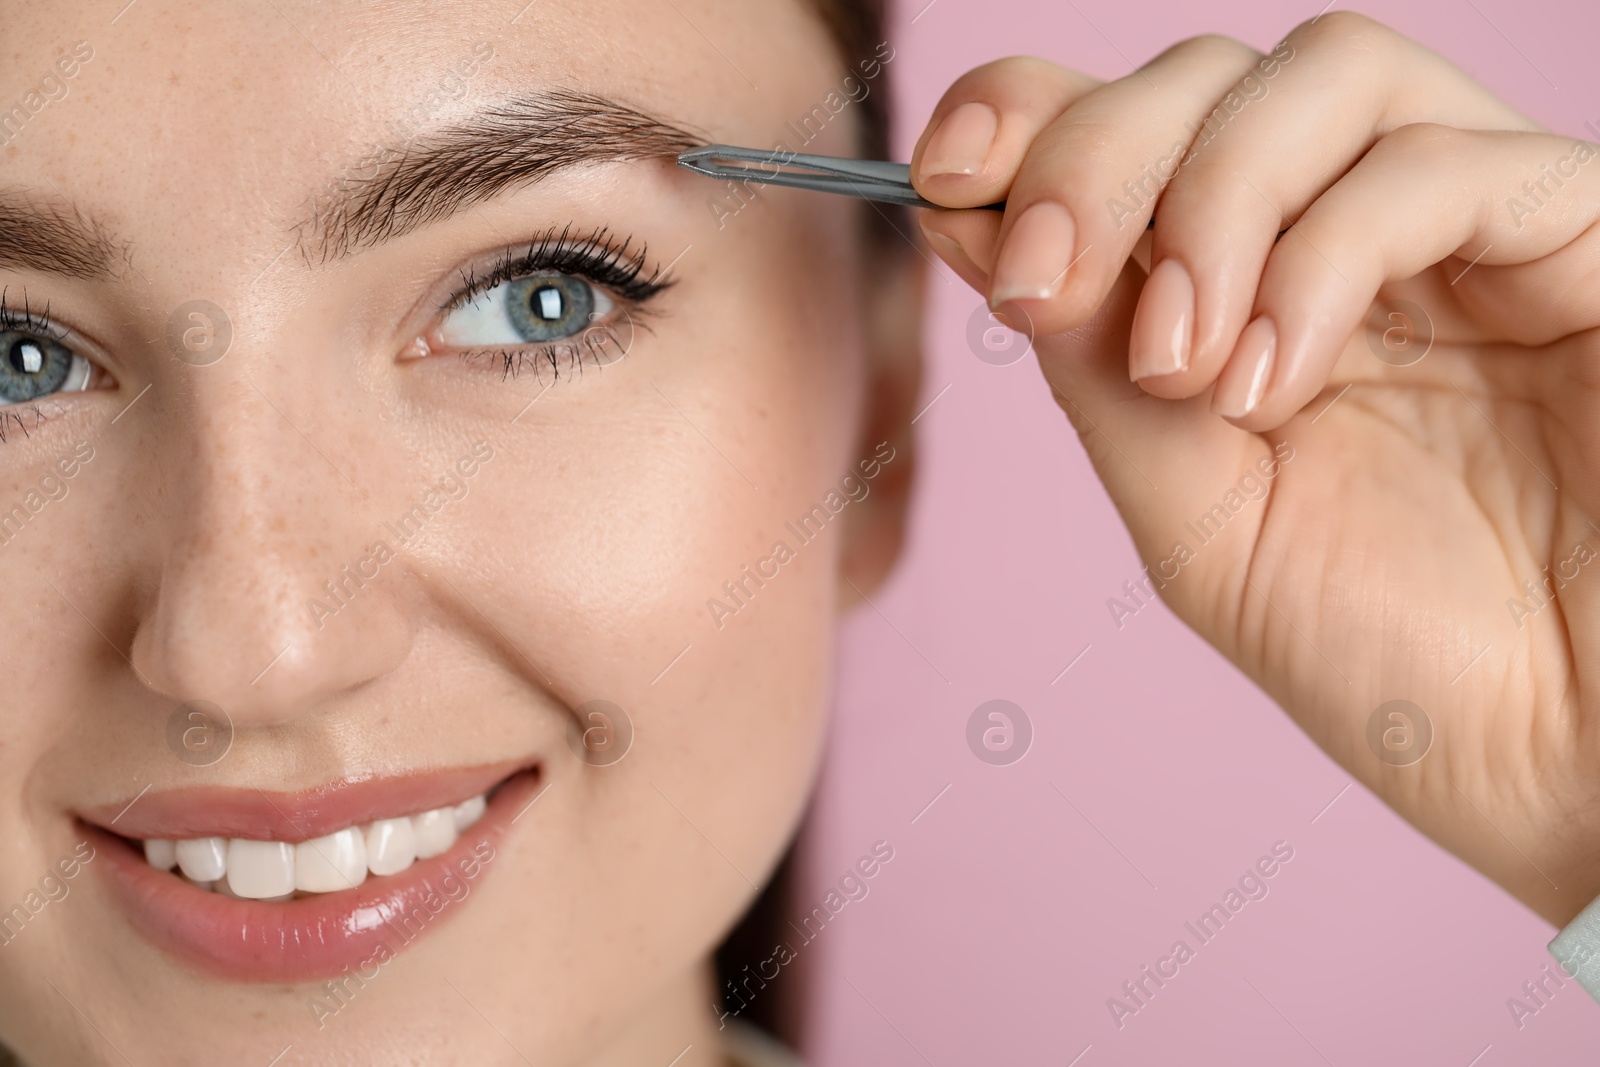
(275, 588)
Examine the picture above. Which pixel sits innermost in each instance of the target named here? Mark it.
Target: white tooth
(204, 887)
(203, 859)
(328, 864)
(162, 855)
(391, 846)
(435, 831)
(260, 869)
(469, 811)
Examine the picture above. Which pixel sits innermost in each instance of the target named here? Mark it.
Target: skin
(1383, 560)
(577, 566)
(179, 564)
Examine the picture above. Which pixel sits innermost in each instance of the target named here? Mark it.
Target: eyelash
(9, 418)
(594, 257)
(28, 321)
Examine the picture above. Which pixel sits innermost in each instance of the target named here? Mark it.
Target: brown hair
(857, 28)
(858, 31)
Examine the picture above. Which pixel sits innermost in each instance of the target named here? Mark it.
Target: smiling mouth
(282, 870)
(253, 886)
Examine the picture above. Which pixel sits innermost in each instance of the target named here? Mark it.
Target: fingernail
(1162, 326)
(1036, 255)
(962, 141)
(950, 250)
(1244, 379)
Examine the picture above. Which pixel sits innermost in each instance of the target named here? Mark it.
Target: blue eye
(533, 310)
(33, 366)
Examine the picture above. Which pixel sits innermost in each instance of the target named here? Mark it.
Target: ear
(893, 343)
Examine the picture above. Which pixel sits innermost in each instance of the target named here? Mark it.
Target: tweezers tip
(700, 152)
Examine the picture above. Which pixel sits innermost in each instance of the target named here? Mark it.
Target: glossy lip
(218, 811)
(314, 937)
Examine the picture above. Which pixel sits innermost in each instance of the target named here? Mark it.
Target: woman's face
(286, 550)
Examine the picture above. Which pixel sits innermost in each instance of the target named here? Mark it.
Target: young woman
(424, 509)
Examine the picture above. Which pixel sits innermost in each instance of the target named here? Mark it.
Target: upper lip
(256, 814)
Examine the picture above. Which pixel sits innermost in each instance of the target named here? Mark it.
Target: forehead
(231, 118)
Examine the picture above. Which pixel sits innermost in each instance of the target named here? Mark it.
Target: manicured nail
(1245, 378)
(1036, 255)
(962, 141)
(1164, 323)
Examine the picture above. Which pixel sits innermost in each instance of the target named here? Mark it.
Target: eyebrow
(507, 145)
(54, 240)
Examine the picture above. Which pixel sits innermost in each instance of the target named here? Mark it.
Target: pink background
(1006, 919)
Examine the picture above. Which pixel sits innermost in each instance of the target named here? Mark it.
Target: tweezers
(869, 179)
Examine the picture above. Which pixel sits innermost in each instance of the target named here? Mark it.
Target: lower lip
(310, 938)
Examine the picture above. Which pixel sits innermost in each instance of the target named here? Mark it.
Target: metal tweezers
(869, 179)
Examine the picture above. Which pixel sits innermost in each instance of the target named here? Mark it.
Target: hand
(1362, 459)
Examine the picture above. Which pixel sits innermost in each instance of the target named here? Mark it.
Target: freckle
(279, 524)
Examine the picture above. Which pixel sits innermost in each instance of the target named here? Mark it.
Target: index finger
(982, 127)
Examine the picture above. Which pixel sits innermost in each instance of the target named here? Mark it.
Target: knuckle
(1217, 45)
(1018, 70)
(1345, 29)
(1430, 137)
(1075, 417)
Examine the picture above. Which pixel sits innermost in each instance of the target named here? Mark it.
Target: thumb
(1190, 486)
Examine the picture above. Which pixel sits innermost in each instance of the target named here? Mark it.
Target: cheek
(621, 520)
(608, 519)
(622, 512)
